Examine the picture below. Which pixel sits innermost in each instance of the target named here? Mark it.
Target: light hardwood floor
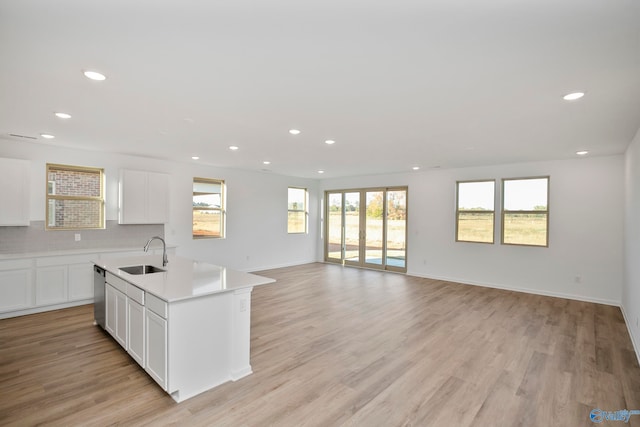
(339, 346)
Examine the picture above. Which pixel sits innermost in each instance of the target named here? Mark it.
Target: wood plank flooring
(335, 346)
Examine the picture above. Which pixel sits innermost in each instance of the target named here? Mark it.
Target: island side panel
(240, 350)
(200, 331)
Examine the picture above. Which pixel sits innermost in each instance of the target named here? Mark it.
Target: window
(75, 198)
(297, 215)
(208, 208)
(475, 211)
(525, 211)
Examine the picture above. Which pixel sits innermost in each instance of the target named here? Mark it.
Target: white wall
(257, 235)
(586, 220)
(586, 229)
(631, 287)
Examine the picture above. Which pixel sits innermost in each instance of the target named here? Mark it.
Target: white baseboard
(44, 308)
(523, 290)
(272, 267)
(629, 324)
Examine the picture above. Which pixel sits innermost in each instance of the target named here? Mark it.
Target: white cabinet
(14, 192)
(15, 285)
(51, 285)
(156, 347)
(80, 281)
(111, 314)
(116, 314)
(143, 197)
(135, 348)
(63, 279)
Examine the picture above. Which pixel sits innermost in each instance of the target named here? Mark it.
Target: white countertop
(71, 252)
(184, 278)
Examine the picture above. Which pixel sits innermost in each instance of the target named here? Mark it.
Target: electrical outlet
(578, 279)
(243, 305)
(78, 237)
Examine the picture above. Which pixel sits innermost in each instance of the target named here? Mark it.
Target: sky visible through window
(525, 194)
(476, 195)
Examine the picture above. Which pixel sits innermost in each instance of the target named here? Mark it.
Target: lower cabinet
(15, 285)
(136, 331)
(116, 314)
(51, 285)
(132, 319)
(156, 347)
(80, 280)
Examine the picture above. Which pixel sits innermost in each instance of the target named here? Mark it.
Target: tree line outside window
(524, 211)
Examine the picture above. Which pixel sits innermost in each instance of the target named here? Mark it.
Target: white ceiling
(397, 84)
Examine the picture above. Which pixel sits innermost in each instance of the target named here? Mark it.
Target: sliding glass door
(367, 228)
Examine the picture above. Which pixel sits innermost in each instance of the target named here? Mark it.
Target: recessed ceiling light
(94, 75)
(330, 141)
(294, 131)
(233, 147)
(63, 115)
(573, 96)
(47, 136)
(266, 162)
(582, 153)
(415, 168)
(320, 171)
(195, 157)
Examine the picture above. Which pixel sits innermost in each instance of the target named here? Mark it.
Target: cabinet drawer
(135, 294)
(156, 305)
(117, 282)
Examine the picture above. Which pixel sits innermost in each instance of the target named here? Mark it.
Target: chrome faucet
(165, 260)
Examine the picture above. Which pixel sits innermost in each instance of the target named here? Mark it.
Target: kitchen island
(187, 323)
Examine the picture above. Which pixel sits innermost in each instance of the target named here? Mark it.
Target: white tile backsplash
(34, 238)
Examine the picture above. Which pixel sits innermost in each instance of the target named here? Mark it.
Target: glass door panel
(396, 222)
(367, 228)
(352, 227)
(334, 226)
(374, 227)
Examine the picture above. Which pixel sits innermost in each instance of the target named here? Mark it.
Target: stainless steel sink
(141, 269)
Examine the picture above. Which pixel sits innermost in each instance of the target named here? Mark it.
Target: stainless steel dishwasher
(98, 296)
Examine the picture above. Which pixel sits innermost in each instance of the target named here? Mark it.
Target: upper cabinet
(14, 192)
(143, 197)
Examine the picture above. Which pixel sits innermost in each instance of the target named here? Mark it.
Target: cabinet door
(156, 348)
(158, 194)
(14, 192)
(121, 318)
(110, 309)
(80, 281)
(51, 285)
(15, 289)
(116, 314)
(133, 197)
(136, 331)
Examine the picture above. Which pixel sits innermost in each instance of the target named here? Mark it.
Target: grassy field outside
(395, 236)
(206, 224)
(525, 229)
(475, 227)
(519, 229)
